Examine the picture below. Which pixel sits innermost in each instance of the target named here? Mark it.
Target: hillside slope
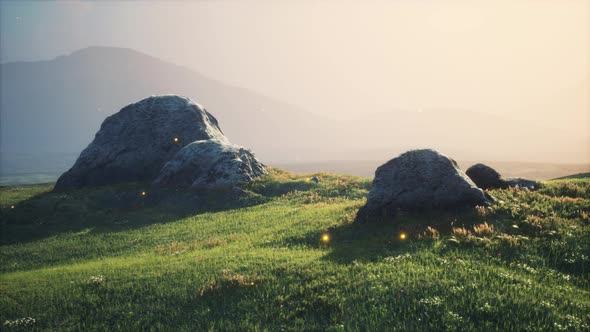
(285, 255)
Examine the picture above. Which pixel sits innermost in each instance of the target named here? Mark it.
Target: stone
(315, 179)
(522, 183)
(209, 164)
(134, 143)
(485, 177)
(420, 180)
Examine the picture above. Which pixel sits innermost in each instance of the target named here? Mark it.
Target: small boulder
(485, 177)
(208, 164)
(134, 143)
(315, 179)
(420, 180)
(522, 183)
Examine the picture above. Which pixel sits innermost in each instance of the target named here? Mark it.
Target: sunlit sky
(526, 60)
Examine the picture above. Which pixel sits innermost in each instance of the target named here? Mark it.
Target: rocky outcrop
(134, 143)
(210, 163)
(486, 177)
(420, 180)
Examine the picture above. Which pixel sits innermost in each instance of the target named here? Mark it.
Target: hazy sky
(520, 59)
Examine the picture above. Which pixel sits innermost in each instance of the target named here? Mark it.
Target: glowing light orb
(143, 193)
(402, 236)
(12, 206)
(325, 238)
(176, 139)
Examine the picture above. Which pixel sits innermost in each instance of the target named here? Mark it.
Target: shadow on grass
(355, 241)
(122, 207)
(130, 205)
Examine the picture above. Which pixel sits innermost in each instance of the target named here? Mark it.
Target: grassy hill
(285, 254)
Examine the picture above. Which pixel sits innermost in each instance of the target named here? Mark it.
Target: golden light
(402, 236)
(143, 193)
(326, 238)
(176, 139)
(12, 206)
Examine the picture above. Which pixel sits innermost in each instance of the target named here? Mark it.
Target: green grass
(111, 259)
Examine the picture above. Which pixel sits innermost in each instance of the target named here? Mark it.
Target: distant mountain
(466, 135)
(57, 106)
(50, 110)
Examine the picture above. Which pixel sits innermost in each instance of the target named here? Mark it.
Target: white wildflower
(20, 322)
(97, 280)
(432, 301)
(398, 258)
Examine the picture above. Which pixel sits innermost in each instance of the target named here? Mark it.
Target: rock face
(419, 180)
(210, 163)
(134, 143)
(485, 177)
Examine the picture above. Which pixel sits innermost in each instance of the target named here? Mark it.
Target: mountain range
(51, 108)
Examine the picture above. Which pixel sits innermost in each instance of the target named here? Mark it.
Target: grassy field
(285, 254)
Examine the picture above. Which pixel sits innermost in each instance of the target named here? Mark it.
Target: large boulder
(485, 177)
(134, 143)
(210, 163)
(420, 180)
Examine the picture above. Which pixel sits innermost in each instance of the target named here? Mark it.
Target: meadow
(284, 254)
